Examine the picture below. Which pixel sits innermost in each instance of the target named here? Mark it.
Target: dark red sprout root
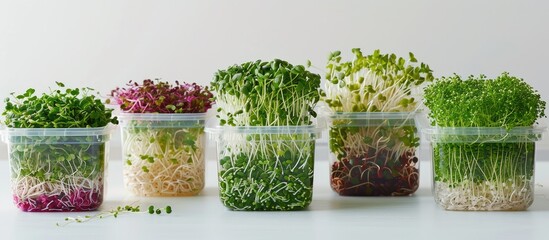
(376, 173)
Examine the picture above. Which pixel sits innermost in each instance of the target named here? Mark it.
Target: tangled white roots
(487, 196)
(153, 168)
(69, 194)
(165, 178)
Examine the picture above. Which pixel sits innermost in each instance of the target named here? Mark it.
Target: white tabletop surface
(328, 217)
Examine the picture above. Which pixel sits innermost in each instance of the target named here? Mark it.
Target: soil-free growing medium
(266, 168)
(163, 153)
(373, 154)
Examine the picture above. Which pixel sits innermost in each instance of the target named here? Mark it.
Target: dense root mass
(165, 178)
(164, 162)
(376, 173)
(487, 196)
(484, 176)
(64, 176)
(267, 175)
(70, 194)
(374, 160)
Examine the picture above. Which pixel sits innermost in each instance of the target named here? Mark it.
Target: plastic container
(373, 153)
(483, 169)
(163, 153)
(266, 168)
(57, 169)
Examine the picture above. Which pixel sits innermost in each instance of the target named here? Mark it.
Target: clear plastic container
(373, 153)
(57, 169)
(163, 153)
(266, 168)
(483, 169)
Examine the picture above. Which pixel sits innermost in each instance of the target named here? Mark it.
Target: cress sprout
(483, 152)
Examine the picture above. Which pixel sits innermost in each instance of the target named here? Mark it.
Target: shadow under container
(373, 153)
(57, 169)
(163, 153)
(484, 168)
(266, 168)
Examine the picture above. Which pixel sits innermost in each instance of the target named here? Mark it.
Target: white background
(103, 44)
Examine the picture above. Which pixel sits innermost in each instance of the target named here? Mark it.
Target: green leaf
(171, 107)
(29, 92)
(412, 57)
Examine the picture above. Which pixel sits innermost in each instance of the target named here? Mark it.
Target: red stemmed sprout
(156, 96)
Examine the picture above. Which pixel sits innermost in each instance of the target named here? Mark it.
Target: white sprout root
(511, 195)
(158, 162)
(484, 176)
(71, 193)
(57, 177)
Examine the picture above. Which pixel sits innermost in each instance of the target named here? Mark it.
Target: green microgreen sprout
(60, 108)
(266, 171)
(112, 213)
(374, 156)
(274, 93)
(483, 170)
(505, 101)
(57, 173)
(374, 83)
